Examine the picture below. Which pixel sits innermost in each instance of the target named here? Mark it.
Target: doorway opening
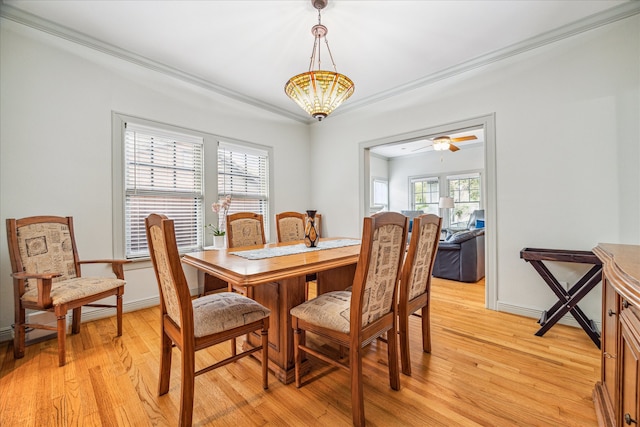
(412, 174)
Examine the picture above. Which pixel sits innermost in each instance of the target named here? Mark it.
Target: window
(465, 190)
(380, 192)
(425, 195)
(163, 173)
(243, 173)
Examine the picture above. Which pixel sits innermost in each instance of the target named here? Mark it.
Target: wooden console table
(617, 394)
(567, 299)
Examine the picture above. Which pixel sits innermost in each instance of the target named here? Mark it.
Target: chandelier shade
(319, 92)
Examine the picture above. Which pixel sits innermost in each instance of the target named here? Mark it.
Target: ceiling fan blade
(464, 138)
(453, 148)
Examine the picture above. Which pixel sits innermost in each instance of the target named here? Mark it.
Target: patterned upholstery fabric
(246, 232)
(387, 247)
(76, 288)
(46, 248)
(291, 229)
(331, 310)
(422, 264)
(223, 311)
(169, 294)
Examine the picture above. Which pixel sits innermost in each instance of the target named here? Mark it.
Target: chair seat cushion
(226, 310)
(331, 310)
(69, 290)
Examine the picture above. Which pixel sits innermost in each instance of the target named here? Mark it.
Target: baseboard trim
(568, 319)
(6, 333)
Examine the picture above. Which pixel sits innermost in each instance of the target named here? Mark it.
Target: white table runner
(293, 249)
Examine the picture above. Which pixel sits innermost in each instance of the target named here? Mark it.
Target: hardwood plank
(485, 369)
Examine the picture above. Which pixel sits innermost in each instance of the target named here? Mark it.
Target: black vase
(310, 232)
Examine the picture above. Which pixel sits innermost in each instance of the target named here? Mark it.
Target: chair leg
(119, 313)
(297, 354)
(426, 329)
(165, 364)
(357, 395)
(76, 319)
(19, 334)
(265, 358)
(405, 356)
(392, 354)
(62, 336)
(187, 388)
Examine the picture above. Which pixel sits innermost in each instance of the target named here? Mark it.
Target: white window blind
(243, 173)
(163, 174)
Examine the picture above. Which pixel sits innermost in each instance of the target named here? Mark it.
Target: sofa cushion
(461, 236)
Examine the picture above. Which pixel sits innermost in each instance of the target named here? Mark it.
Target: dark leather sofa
(461, 257)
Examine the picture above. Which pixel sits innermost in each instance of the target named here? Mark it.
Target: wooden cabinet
(617, 394)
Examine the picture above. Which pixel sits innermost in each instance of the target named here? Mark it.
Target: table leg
(280, 297)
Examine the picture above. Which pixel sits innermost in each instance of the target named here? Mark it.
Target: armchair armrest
(44, 282)
(116, 265)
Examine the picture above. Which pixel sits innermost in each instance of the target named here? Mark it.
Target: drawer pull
(628, 420)
(611, 312)
(626, 304)
(609, 355)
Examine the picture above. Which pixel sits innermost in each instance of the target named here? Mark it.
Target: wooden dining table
(278, 283)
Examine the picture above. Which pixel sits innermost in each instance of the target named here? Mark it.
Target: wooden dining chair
(46, 276)
(195, 324)
(355, 319)
(415, 283)
(245, 229)
(290, 226)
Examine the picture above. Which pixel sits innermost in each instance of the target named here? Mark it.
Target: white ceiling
(425, 145)
(249, 49)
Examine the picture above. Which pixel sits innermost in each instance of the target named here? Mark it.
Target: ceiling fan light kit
(318, 91)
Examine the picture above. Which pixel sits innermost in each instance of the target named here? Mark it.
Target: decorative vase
(218, 242)
(310, 232)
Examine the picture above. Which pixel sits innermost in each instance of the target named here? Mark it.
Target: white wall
(55, 142)
(567, 150)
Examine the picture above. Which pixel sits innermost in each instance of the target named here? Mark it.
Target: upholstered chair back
(166, 273)
(47, 247)
(383, 261)
(426, 244)
(245, 229)
(290, 226)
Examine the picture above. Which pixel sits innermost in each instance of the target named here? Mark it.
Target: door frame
(487, 122)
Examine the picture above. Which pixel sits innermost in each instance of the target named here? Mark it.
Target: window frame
(250, 150)
(412, 193)
(385, 182)
(210, 159)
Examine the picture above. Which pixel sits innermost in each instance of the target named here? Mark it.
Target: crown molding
(614, 14)
(590, 22)
(35, 22)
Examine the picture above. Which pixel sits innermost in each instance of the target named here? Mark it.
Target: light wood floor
(486, 369)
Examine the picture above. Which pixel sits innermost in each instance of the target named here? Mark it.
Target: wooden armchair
(355, 319)
(415, 283)
(196, 324)
(245, 229)
(46, 276)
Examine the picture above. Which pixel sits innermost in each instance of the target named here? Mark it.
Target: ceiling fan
(442, 143)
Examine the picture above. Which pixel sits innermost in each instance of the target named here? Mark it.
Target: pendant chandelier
(318, 91)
